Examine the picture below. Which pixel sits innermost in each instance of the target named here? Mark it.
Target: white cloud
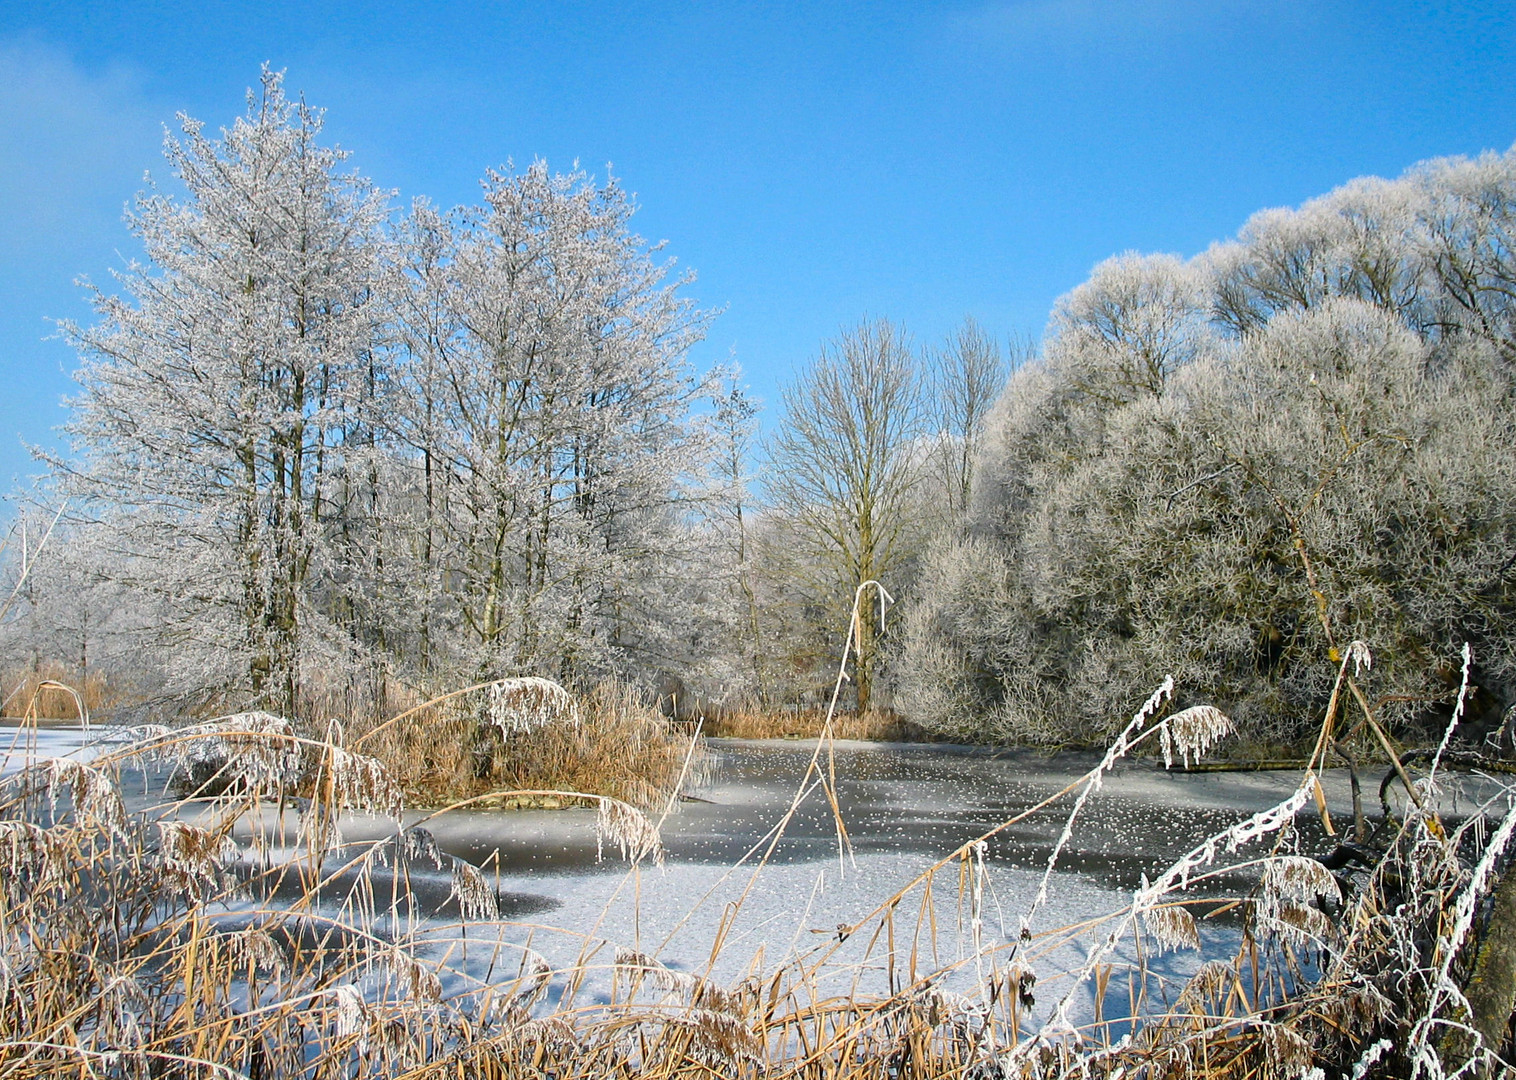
(73, 147)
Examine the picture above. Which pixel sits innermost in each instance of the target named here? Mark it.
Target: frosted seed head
(350, 1013)
(97, 802)
(417, 843)
(1290, 1054)
(255, 948)
(717, 1039)
(255, 749)
(634, 967)
(360, 782)
(532, 977)
(1192, 732)
(1287, 897)
(420, 982)
(194, 856)
(523, 704)
(1172, 927)
(31, 857)
(1301, 924)
(1299, 878)
(476, 900)
(629, 829)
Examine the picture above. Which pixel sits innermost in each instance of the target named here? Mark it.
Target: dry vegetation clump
(530, 734)
(47, 691)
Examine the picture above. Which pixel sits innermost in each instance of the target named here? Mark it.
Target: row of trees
(320, 446)
(1230, 467)
(311, 440)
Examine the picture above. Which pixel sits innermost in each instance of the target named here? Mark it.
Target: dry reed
(529, 734)
(145, 944)
(754, 723)
(48, 691)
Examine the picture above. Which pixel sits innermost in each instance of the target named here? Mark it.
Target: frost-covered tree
(1228, 468)
(1122, 334)
(311, 440)
(1358, 241)
(225, 395)
(1466, 238)
(731, 558)
(549, 402)
(67, 610)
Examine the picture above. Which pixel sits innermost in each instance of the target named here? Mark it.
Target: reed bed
(482, 744)
(48, 691)
(243, 938)
(756, 723)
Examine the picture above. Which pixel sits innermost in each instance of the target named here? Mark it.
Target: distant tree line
(323, 447)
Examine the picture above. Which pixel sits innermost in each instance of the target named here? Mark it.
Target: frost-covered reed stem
(1444, 990)
(1458, 707)
(1147, 896)
(1092, 782)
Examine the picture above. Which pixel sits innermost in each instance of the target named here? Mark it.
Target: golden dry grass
(807, 724)
(24, 692)
(149, 944)
(617, 746)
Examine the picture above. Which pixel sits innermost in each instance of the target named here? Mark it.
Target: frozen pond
(49, 738)
(904, 807)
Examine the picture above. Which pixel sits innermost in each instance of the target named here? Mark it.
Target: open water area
(730, 899)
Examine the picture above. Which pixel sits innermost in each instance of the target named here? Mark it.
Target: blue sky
(815, 164)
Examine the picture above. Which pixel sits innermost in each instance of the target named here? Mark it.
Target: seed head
(528, 702)
(476, 900)
(1172, 927)
(1192, 732)
(629, 829)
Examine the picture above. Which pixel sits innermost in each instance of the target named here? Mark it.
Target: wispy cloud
(73, 146)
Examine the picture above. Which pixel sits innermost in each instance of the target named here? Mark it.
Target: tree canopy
(1230, 467)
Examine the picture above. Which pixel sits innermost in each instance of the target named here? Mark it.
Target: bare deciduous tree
(843, 466)
(965, 376)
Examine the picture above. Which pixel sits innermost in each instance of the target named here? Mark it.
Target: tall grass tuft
(530, 734)
(52, 691)
(758, 723)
